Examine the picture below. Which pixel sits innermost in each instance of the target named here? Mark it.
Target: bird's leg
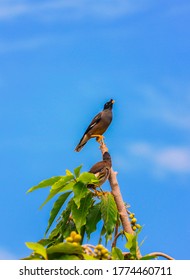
(99, 193)
(101, 189)
(103, 147)
(96, 192)
(99, 138)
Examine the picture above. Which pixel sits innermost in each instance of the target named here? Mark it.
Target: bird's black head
(109, 104)
(106, 156)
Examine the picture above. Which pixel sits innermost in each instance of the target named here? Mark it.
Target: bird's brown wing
(85, 136)
(94, 122)
(98, 167)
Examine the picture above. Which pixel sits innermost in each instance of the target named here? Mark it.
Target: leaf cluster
(76, 211)
(76, 208)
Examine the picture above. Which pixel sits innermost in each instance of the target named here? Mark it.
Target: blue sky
(60, 61)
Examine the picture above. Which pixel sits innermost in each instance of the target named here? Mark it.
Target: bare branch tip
(160, 254)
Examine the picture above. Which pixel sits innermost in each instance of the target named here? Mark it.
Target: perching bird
(98, 125)
(101, 170)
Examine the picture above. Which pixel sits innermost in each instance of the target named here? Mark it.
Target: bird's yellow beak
(113, 101)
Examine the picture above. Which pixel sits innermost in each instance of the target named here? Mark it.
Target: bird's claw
(99, 138)
(97, 193)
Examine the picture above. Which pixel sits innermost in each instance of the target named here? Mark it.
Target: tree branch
(117, 196)
(119, 200)
(115, 239)
(122, 208)
(160, 254)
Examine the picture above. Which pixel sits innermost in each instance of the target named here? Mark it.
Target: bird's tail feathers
(81, 144)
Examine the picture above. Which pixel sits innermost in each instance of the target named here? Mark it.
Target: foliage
(76, 212)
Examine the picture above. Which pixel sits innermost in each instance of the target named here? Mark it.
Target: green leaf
(56, 208)
(45, 183)
(79, 214)
(131, 244)
(68, 187)
(66, 214)
(109, 213)
(52, 193)
(77, 171)
(45, 242)
(80, 190)
(89, 258)
(117, 254)
(70, 226)
(60, 227)
(94, 216)
(102, 233)
(56, 231)
(69, 173)
(87, 178)
(129, 237)
(33, 257)
(147, 257)
(38, 249)
(68, 257)
(65, 248)
(62, 182)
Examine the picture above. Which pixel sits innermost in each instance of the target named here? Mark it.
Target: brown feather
(98, 125)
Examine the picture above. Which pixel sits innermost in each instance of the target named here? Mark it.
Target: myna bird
(98, 125)
(101, 170)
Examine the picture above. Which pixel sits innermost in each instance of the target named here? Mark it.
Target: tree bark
(119, 200)
(160, 254)
(122, 208)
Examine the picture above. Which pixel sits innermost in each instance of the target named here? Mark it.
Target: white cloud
(9, 11)
(6, 255)
(173, 159)
(60, 10)
(72, 9)
(169, 105)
